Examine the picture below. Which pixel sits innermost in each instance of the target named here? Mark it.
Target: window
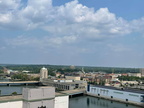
(134, 95)
(88, 88)
(118, 92)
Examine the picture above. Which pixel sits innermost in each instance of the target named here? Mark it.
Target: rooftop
(10, 98)
(20, 97)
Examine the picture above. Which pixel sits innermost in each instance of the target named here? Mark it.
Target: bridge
(74, 92)
(19, 83)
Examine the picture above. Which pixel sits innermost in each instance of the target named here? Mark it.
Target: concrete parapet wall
(38, 93)
(15, 104)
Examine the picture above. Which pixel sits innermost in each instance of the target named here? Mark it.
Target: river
(8, 90)
(93, 102)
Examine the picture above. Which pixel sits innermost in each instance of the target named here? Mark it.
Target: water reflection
(88, 101)
(93, 102)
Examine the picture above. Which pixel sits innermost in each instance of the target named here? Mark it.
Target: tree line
(67, 69)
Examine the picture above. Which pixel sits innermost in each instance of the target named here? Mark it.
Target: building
(65, 84)
(34, 75)
(43, 73)
(117, 94)
(38, 97)
(58, 74)
(142, 72)
(41, 97)
(135, 74)
(72, 67)
(72, 77)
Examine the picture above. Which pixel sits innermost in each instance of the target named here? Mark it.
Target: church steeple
(83, 70)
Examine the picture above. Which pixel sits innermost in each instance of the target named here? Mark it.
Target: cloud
(118, 48)
(42, 42)
(9, 5)
(2, 47)
(68, 22)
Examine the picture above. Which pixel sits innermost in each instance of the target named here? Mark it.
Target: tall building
(142, 72)
(43, 73)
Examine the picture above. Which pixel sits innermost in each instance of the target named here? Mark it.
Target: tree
(14, 93)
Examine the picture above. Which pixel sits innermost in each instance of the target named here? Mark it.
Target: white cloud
(9, 5)
(62, 22)
(41, 42)
(138, 25)
(5, 18)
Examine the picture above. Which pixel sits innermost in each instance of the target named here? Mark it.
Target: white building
(42, 97)
(72, 77)
(43, 73)
(142, 72)
(124, 95)
(135, 74)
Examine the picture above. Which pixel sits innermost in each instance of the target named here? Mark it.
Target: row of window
(106, 91)
(99, 90)
(117, 92)
(61, 86)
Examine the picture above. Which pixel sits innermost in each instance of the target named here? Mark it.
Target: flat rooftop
(120, 89)
(10, 98)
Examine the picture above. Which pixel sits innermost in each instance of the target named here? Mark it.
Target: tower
(142, 72)
(43, 73)
(83, 70)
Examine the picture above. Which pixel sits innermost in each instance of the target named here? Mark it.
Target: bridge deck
(19, 82)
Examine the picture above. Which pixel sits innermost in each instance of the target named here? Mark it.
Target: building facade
(65, 84)
(124, 95)
(41, 97)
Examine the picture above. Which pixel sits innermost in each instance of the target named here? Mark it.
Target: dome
(43, 68)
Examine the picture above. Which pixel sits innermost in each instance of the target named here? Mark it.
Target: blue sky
(106, 33)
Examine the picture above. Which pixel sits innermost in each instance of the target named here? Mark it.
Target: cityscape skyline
(103, 33)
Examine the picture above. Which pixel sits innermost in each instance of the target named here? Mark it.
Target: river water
(75, 102)
(8, 90)
(93, 102)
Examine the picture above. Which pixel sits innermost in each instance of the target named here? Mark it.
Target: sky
(107, 33)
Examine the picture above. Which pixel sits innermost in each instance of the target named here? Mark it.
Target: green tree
(14, 93)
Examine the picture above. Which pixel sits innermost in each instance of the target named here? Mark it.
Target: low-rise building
(72, 77)
(41, 97)
(65, 84)
(134, 74)
(125, 95)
